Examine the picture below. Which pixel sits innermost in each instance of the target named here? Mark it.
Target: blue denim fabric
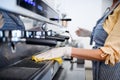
(100, 70)
(11, 21)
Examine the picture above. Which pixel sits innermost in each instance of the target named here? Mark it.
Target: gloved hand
(54, 53)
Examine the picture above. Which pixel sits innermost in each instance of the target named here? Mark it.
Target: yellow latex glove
(53, 54)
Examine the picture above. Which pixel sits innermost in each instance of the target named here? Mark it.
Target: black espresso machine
(17, 44)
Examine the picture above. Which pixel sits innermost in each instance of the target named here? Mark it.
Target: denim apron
(11, 21)
(101, 71)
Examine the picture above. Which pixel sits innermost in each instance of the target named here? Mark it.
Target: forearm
(88, 54)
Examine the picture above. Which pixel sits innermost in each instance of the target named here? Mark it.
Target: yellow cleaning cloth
(36, 59)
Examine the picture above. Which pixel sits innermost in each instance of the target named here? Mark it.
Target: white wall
(104, 5)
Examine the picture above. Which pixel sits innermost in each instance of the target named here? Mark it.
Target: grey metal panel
(71, 71)
(47, 76)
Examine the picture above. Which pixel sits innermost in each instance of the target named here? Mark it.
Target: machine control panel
(39, 7)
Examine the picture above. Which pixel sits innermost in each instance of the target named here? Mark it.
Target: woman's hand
(83, 32)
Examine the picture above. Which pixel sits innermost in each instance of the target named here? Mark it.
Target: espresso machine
(18, 44)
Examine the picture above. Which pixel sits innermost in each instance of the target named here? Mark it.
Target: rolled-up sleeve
(111, 47)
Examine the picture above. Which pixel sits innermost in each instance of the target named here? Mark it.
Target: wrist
(68, 51)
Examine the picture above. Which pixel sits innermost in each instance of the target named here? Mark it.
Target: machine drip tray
(31, 64)
(24, 70)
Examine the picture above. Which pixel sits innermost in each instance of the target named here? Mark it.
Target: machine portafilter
(54, 36)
